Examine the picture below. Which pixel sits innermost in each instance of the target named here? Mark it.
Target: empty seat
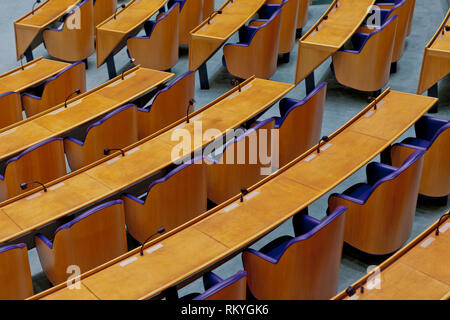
(15, 275)
(190, 17)
(91, 239)
(367, 66)
(256, 53)
(74, 39)
(55, 90)
(433, 135)
(216, 288)
(304, 267)
(302, 15)
(380, 212)
(170, 201)
(241, 163)
(116, 130)
(42, 162)
(288, 22)
(402, 8)
(169, 105)
(158, 50)
(10, 108)
(103, 9)
(300, 124)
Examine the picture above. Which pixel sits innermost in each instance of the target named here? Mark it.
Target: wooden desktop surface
(81, 109)
(28, 27)
(208, 37)
(114, 173)
(419, 271)
(111, 32)
(34, 72)
(436, 59)
(180, 254)
(329, 34)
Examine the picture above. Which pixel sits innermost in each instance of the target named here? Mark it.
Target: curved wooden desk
(328, 35)
(419, 271)
(28, 29)
(18, 80)
(436, 60)
(212, 33)
(81, 109)
(114, 173)
(180, 256)
(113, 33)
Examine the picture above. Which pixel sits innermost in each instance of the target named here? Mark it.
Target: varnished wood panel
(112, 32)
(76, 39)
(374, 59)
(57, 90)
(15, 275)
(88, 243)
(208, 37)
(29, 27)
(160, 50)
(328, 35)
(436, 59)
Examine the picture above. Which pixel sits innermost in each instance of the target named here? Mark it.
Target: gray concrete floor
(341, 105)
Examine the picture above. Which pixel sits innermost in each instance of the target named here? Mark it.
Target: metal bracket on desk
(433, 92)
(203, 74)
(111, 66)
(29, 54)
(310, 83)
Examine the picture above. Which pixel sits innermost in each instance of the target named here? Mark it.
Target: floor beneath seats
(341, 105)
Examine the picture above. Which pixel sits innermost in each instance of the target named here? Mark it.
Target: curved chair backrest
(170, 202)
(433, 135)
(259, 54)
(91, 239)
(43, 162)
(160, 49)
(11, 108)
(232, 288)
(303, 268)
(56, 89)
(241, 163)
(302, 14)
(169, 105)
(191, 12)
(436, 165)
(103, 9)
(288, 24)
(116, 130)
(373, 55)
(75, 41)
(301, 124)
(401, 8)
(380, 220)
(15, 275)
